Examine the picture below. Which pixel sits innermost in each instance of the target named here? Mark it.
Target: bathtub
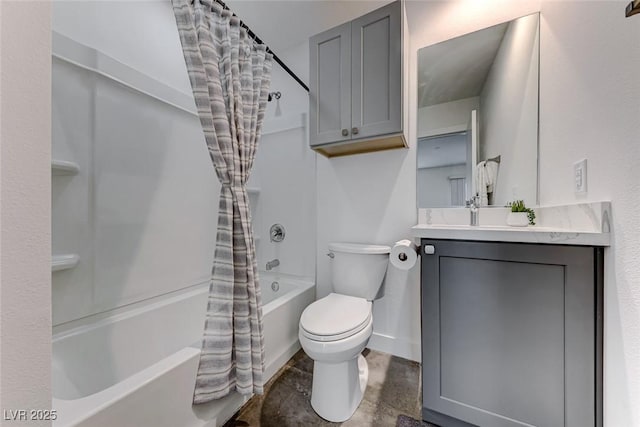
(136, 366)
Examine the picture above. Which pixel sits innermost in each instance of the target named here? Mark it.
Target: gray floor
(393, 391)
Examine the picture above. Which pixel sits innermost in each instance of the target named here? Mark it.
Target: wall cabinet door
(376, 64)
(511, 335)
(330, 86)
(356, 85)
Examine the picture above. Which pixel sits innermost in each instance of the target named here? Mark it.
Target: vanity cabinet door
(330, 86)
(376, 85)
(511, 334)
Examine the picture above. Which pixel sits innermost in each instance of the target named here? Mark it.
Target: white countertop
(585, 224)
(494, 233)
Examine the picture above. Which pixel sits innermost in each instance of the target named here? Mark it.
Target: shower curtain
(230, 77)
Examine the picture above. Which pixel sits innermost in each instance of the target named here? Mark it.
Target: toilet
(335, 329)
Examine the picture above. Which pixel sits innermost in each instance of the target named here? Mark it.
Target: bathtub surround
(112, 127)
(230, 77)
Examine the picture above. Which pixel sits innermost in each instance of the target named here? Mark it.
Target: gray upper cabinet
(356, 85)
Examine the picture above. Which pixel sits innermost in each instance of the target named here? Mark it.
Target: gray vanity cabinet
(355, 96)
(512, 334)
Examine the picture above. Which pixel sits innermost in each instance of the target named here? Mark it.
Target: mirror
(478, 117)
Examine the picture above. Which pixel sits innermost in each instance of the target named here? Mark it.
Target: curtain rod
(259, 41)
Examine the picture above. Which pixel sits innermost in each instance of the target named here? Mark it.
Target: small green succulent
(518, 206)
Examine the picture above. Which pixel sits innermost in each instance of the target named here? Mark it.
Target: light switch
(580, 176)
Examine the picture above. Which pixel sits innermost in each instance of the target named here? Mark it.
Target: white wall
(589, 96)
(447, 117)
(372, 197)
(508, 112)
(590, 107)
(434, 188)
(25, 183)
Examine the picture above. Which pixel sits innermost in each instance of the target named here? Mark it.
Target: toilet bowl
(335, 329)
(333, 332)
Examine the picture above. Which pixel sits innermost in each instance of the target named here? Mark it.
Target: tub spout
(273, 263)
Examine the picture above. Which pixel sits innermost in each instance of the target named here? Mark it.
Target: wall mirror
(478, 117)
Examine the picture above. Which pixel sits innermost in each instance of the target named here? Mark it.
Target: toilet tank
(358, 269)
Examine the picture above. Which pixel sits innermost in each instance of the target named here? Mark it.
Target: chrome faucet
(473, 210)
(273, 263)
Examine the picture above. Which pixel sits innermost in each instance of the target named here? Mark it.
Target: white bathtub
(136, 366)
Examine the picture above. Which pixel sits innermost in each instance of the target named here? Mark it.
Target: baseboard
(397, 346)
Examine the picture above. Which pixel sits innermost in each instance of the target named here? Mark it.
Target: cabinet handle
(354, 131)
(429, 249)
(345, 132)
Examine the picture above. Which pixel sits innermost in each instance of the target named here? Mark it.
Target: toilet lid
(335, 315)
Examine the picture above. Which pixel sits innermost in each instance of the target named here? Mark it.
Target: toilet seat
(335, 317)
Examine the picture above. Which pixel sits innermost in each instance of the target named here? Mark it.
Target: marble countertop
(584, 224)
(493, 233)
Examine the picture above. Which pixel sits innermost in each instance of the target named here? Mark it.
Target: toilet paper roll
(404, 254)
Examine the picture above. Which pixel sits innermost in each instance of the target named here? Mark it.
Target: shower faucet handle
(276, 233)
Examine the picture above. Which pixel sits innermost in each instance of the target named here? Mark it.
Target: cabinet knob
(429, 249)
(354, 131)
(345, 132)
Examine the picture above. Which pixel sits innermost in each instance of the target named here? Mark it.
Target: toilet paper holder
(404, 254)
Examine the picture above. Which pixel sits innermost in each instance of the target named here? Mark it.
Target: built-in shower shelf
(64, 262)
(63, 167)
(253, 191)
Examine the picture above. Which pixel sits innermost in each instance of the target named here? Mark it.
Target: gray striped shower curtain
(230, 78)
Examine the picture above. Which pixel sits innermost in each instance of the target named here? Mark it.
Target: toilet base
(338, 388)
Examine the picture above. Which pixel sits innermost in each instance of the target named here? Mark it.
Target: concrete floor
(393, 390)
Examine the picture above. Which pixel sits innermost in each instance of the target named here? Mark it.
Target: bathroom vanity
(512, 323)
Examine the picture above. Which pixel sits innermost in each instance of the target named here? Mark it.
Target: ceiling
(285, 24)
(457, 68)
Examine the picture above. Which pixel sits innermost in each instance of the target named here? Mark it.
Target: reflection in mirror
(478, 117)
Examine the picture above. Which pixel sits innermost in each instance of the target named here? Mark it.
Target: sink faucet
(473, 210)
(273, 263)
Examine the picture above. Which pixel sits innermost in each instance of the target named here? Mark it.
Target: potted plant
(520, 215)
